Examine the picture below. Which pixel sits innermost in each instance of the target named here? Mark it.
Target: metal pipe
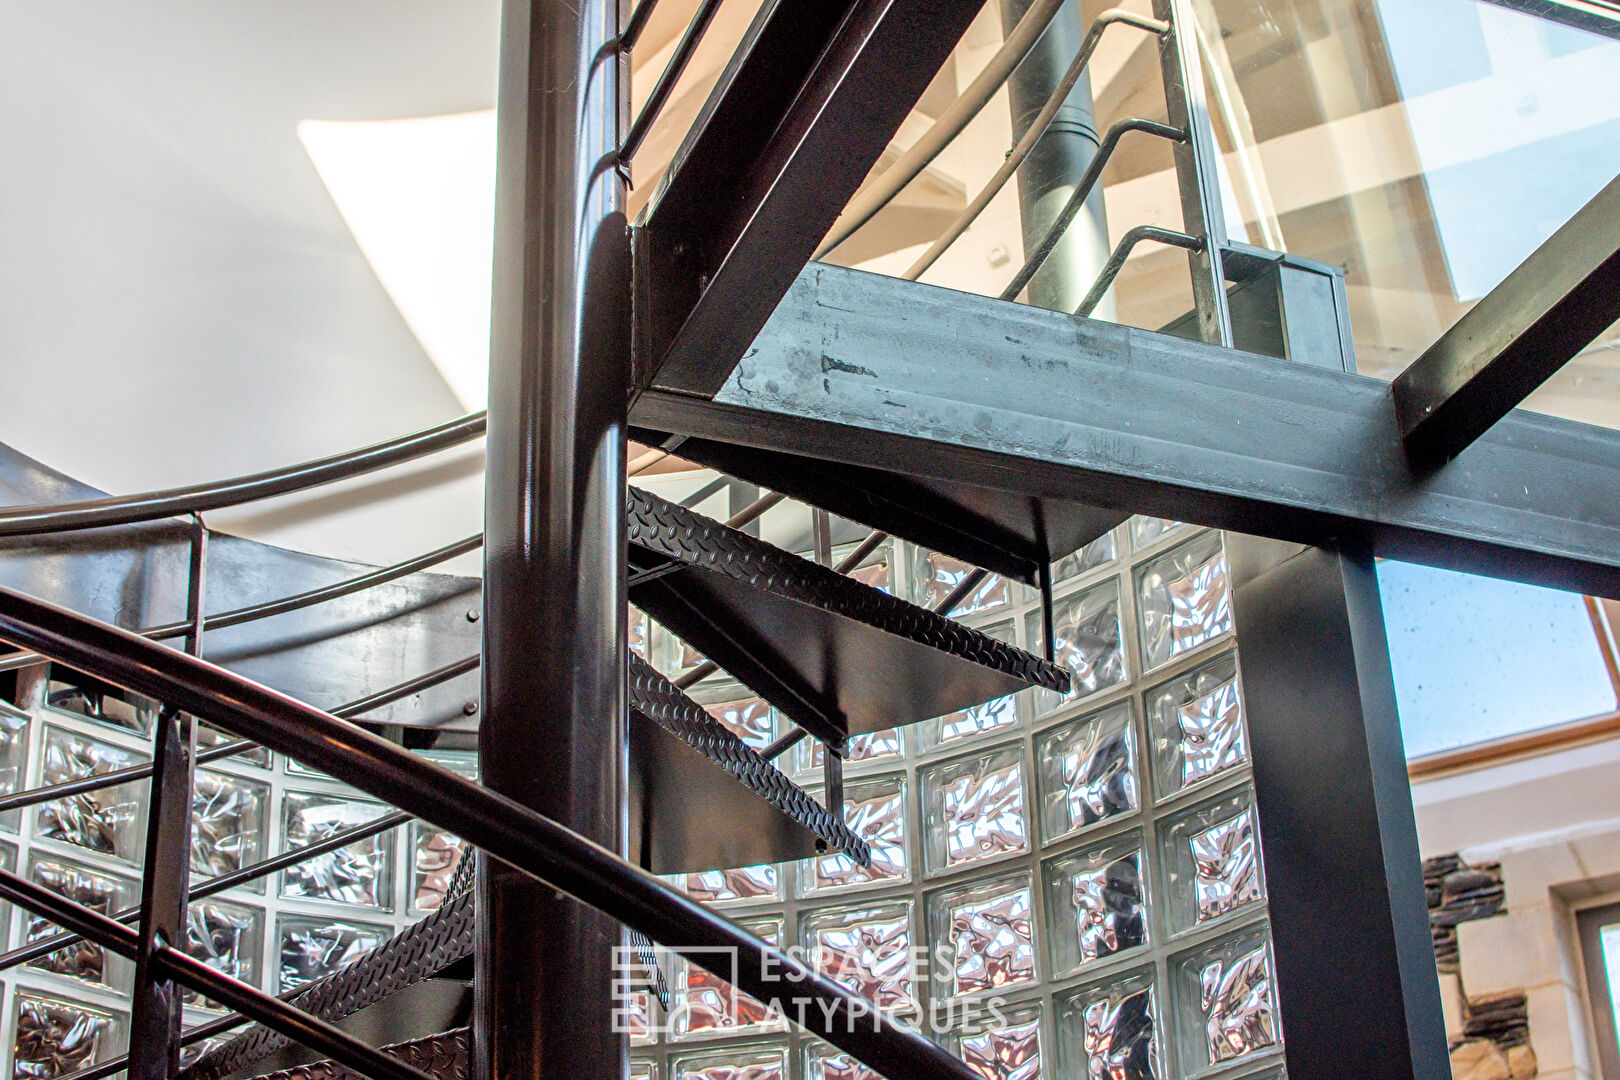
(1026, 142)
(552, 740)
(917, 157)
(747, 514)
(1122, 251)
(633, 29)
(854, 559)
(1081, 192)
(498, 825)
(962, 591)
(671, 75)
(784, 744)
(151, 505)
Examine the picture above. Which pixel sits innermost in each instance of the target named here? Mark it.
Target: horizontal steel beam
(1533, 323)
(869, 370)
(807, 104)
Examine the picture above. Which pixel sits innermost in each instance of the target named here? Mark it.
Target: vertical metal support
(1349, 921)
(1197, 173)
(1058, 160)
(821, 536)
(155, 1020)
(553, 718)
(1047, 635)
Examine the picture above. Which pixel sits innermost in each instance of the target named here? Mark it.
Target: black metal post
(1349, 921)
(552, 735)
(156, 1012)
(1056, 163)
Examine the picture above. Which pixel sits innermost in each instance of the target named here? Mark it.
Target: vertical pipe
(1047, 177)
(553, 721)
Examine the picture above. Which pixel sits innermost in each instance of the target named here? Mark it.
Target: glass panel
(1009, 1052)
(822, 1062)
(1196, 722)
(636, 632)
(1086, 770)
(1146, 531)
(964, 723)
(752, 1064)
(1107, 1030)
(710, 1004)
(109, 709)
(643, 1070)
(97, 890)
(211, 736)
(934, 576)
(1225, 1001)
(876, 811)
(1182, 599)
(111, 821)
(876, 570)
(1101, 550)
(983, 936)
(228, 816)
(438, 853)
(13, 762)
(58, 1038)
(868, 950)
(361, 873)
(974, 809)
(8, 861)
(1096, 903)
(228, 938)
(1212, 861)
(869, 747)
(747, 718)
(1086, 629)
(742, 883)
(309, 948)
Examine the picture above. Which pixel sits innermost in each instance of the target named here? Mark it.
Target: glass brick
(134, 716)
(755, 1063)
(873, 746)
(310, 947)
(867, 950)
(993, 715)
(876, 810)
(985, 931)
(360, 873)
(111, 821)
(192, 1052)
(1183, 599)
(437, 854)
(935, 575)
(58, 1038)
(14, 729)
(636, 632)
(1196, 724)
(876, 570)
(643, 1070)
(1087, 636)
(228, 817)
(228, 938)
(8, 862)
(1096, 903)
(823, 1062)
(747, 718)
(1225, 1001)
(1010, 1051)
(1102, 550)
(98, 890)
(742, 883)
(209, 736)
(711, 1005)
(1108, 1030)
(1146, 531)
(974, 809)
(1211, 855)
(1086, 771)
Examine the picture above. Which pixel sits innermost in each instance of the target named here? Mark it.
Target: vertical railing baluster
(155, 1022)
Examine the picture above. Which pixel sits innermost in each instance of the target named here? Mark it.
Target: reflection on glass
(825, 1063)
(997, 713)
(1087, 771)
(749, 719)
(936, 576)
(13, 761)
(97, 890)
(1227, 876)
(989, 934)
(227, 823)
(876, 811)
(1238, 1013)
(360, 873)
(311, 948)
(711, 1004)
(742, 883)
(438, 853)
(227, 938)
(1086, 631)
(868, 950)
(58, 1038)
(110, 821)
(975, 809)
(1183, 599)
(1119, 1037)
(1096, 903)
(1101, 550)
(754, 1064)
(1197, 725)
(1010, 1052)
(869, 747)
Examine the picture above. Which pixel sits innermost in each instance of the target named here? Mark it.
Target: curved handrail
(500, 826)
(152, 505)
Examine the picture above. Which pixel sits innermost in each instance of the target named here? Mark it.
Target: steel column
(1349, 921)
(553, 717)
(1058, 161)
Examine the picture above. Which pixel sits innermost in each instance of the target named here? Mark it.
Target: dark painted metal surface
(849, 371)
(659, 94)
(1349, 920)
(552, 731)
(803, 110)
(1517, 337)
(492, 822)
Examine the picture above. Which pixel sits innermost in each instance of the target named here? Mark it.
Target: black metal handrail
(659, 96)
(501, 827)
(1122, 251)
(152, 505)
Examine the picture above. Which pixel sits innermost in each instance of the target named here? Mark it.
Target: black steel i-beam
(1516, 338)
(552, 732)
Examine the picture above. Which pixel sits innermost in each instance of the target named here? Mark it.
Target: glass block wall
(1090, 863)
(70, 1009)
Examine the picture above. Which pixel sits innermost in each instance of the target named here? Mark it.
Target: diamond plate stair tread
(447, 1056)
(656, 698)
(417, 952)
(833, 654)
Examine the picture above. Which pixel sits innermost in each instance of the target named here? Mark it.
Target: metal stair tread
(445, 1056)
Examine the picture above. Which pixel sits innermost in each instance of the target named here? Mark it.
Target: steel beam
(1543, 313)
(805, 107)
(552, 735)
(869, 370)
